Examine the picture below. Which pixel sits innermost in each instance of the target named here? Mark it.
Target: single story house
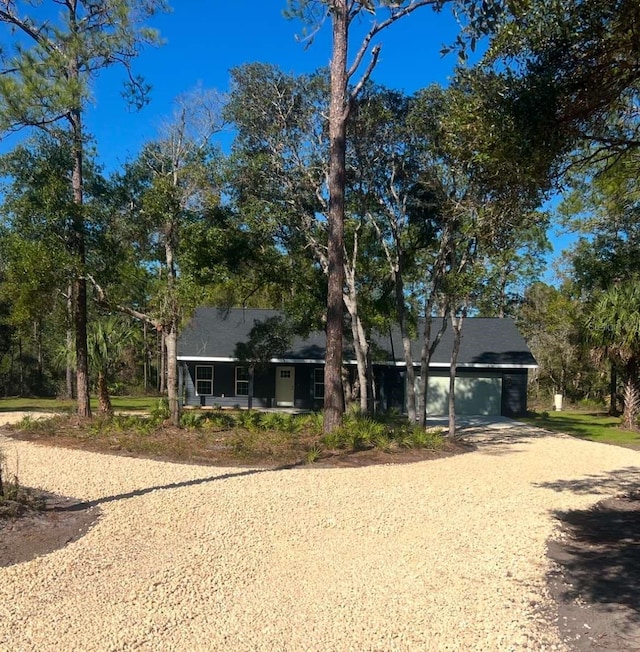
(492, 367)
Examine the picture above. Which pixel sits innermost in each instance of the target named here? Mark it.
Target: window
(204, 380)
(242, 381)
(318, 383)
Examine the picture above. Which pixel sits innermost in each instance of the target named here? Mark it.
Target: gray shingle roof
(212, 334)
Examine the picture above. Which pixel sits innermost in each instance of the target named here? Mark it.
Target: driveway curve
(439, 555)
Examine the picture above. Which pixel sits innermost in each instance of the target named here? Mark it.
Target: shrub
(220, 419)
(249, 419)
(313, 422)
(383, 441)
(313, 454)
(290, 423)
(191, 419)
(418, 437)
(272, 421)
(46, 425)
(160, 412)
(332, 440)
(14, 498)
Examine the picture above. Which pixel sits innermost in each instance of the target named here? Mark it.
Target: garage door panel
(478, 396)
(475, 395)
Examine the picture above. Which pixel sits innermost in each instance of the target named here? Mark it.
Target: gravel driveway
(439, 555)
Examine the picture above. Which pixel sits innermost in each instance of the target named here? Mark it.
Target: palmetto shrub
(312, 422)
(248, 419)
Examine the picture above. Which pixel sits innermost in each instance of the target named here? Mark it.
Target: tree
(343, 93)
(571, 76)
(279, 183)
(108, 338)
(613, 326)
(510, 266)
(46, 72)
(550, 320)
(602, 208)
(172, 184)
(39, 259)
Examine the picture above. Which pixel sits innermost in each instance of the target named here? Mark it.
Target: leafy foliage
(267, 339)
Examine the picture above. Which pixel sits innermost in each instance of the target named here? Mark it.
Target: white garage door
(475, 395)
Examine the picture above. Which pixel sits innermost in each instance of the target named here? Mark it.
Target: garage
(476, 394)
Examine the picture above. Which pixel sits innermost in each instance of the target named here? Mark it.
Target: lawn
(593, 426)
(120, 403)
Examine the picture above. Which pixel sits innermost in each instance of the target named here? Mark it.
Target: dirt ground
(63, 521)
(595, 576)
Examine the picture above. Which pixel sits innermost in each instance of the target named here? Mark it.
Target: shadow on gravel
(503, 441)
(624, 480)
(597, 578)
(501, 446)
(173, 485)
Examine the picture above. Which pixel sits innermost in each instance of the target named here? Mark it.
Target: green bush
(160, 412)
(418, 437)
(312, 422)
(249, 419)
(313, 454)
(332, 440)
(45, 425)
(272, 421)
(220, 419)
(191, 419)
(384, 442)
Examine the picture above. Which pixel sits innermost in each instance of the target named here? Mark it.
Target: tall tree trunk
(428, 347)
(172, 318)
(37, 336)
(456, 323)
(79, 282)
(104, 400)
(145, 359)
(68, 367)
(171, 343)
(338, 112)
(631, 396)
(21, 391)
(410, 383)
(162, 363)
(613, 391)
(360, 346)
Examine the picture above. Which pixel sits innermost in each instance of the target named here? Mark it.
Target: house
(492, 368)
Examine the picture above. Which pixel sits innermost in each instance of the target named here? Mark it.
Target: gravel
(440, 555)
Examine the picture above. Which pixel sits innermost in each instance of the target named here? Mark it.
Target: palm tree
(107, 339)
(613, 328)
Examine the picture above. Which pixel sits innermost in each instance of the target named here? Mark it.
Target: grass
(120, 403)
(593, 426)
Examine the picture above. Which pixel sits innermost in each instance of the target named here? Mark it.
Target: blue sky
(206, 39)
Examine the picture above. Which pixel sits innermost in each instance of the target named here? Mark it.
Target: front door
(285, 384)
